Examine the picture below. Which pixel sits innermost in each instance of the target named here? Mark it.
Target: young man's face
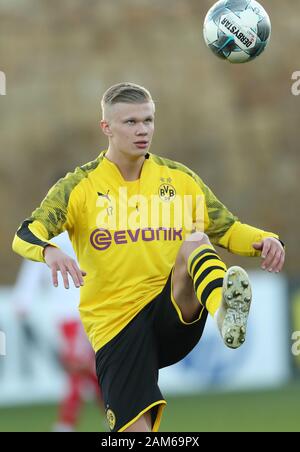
(129, 127)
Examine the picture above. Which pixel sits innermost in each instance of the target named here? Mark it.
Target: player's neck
(130, 168)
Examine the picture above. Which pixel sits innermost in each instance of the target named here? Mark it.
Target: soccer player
(143, 228)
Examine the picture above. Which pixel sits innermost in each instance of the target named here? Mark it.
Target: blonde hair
(125, 93)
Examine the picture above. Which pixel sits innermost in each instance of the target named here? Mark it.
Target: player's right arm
(56, 214)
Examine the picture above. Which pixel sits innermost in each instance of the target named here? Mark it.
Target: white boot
(233, 313)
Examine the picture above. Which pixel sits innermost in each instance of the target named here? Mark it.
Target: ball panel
(210, 32)
(237, 5)
(234, 27)
(238, 57)
(217, 52)
(264, 29)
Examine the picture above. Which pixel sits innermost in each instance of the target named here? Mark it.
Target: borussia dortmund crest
(111, 418)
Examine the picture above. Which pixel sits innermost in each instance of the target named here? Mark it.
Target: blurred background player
(72, 346)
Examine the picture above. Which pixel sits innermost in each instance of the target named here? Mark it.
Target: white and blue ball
(237, 30)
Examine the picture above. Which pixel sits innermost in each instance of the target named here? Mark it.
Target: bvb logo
(167, 192)
(111, 418)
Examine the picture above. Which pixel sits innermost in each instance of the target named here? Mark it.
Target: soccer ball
(237, 30)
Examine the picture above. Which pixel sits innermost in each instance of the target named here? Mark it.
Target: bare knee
(193, 241)
(198, 237)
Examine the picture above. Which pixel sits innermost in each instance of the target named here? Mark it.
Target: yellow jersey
(126, 234)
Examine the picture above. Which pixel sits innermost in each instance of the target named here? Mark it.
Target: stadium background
(237, 126)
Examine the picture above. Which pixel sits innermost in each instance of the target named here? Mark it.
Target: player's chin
(139, 151)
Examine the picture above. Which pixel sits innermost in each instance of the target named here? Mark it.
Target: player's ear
(105, 127)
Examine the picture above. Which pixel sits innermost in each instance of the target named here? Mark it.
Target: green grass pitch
(270, 411)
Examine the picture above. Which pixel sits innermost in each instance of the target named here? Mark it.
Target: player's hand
(59, 261)
(272, 253)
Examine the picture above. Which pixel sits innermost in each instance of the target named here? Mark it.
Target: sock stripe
(204, 274)
(207, 271)
(202, 261)
(209, 288)
(201, 253)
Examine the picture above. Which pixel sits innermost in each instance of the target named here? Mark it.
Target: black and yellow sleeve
(225, 230)
(54, 215)
(240, 237)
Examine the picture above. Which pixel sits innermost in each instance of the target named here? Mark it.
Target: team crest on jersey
(111, 418)
(166, 192)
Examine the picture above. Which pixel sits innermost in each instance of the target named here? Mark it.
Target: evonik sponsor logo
(101, 239)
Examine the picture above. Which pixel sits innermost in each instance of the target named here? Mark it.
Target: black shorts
(128, 365)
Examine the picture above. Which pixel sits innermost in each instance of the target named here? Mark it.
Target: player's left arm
(225, 230)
